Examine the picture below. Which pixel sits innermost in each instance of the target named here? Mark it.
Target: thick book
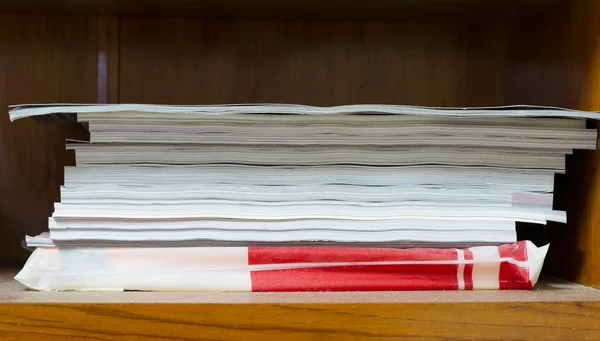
(272, 174)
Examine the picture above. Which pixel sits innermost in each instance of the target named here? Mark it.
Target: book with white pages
(284, 173)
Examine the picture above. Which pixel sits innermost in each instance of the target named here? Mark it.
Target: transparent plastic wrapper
(509, 266)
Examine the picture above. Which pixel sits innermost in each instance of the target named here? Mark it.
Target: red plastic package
(509, 266)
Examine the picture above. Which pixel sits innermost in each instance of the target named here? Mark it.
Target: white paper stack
(271, 174)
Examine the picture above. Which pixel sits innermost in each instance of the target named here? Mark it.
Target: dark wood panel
(187, 61)
(555, 60)
(107, 64)
(359, 321)
(42, 59)
(348, 9)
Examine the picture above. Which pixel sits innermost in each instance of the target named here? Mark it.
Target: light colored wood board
(401, 321)
(191, 61)
(354, 9)
(548, 290)
(42, 59)
(555, 60)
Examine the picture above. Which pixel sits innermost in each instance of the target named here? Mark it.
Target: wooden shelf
(464, 53)
(346, 9)
(555, 310)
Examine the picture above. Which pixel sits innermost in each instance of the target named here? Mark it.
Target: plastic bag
(509, 266)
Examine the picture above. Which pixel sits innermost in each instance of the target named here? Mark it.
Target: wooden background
(42, 59)
(548, 57)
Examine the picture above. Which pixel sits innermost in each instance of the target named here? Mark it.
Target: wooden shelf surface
(556, 310)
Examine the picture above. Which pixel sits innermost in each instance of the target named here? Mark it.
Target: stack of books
(252, 176)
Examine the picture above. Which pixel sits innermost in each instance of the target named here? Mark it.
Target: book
(277, 174)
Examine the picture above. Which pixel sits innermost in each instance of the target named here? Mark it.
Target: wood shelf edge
(361, 321)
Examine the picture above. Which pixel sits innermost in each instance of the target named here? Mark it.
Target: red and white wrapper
(509, 266)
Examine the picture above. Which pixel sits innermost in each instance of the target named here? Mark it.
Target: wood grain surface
(555, 60)
(430, 321)
(274, 9)
(42, 59)
(107, 59)
(320, 63)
